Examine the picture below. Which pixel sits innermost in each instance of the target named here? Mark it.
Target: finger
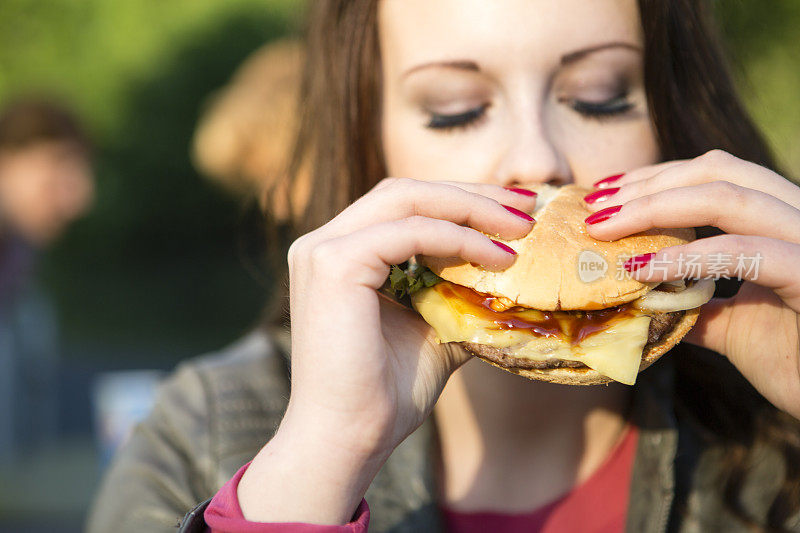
(518, 197)
(634, 175)
(375, 247)
(729, 207)
(710, 330)
(521, 197)
(402, 198)
(767, 262)
(712, 166)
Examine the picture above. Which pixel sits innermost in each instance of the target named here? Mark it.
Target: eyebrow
(470, 66)
(566, 59)
(580, 54)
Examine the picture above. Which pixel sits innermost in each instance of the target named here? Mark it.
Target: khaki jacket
(215, 413)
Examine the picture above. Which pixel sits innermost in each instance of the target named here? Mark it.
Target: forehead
(537, 32)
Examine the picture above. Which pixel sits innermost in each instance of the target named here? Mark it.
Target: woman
(474, 101)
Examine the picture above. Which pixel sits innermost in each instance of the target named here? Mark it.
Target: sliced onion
(695, 295)
(671, 286)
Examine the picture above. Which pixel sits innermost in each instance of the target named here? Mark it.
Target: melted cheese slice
(615, 352)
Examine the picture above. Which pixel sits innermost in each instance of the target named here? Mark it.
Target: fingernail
(635, 263)
(504, 247)
(600, 196)
(520, 214)
(603, 214)
(523, 192)
(605, 182)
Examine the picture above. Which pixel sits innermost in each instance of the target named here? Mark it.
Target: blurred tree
(764, 41)
(154, 273)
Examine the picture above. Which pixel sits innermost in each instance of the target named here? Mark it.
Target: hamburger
(565, 311)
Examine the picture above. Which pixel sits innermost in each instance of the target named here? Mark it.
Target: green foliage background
(764, 43)
(155, 273)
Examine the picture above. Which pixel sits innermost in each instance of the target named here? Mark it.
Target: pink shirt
(223, 515)
(597, 505)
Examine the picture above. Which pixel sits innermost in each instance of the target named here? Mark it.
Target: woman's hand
(757, 329)
(367, 372)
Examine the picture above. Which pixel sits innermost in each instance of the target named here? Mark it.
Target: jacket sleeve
(163, 468)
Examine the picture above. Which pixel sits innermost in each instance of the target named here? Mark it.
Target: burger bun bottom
(585, 375)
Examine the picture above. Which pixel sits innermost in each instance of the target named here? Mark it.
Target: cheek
(45, 196)
(31, 192)
(27, 199)
(415, 151)
(595, 150)
(75, 192)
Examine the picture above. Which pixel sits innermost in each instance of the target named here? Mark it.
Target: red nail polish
(523, 192)
(603, 214)
(635, 263)
(607, 181)
(600, 195)
(520, 214)
(504, 247)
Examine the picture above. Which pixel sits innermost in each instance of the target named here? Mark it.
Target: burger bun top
(558, 265)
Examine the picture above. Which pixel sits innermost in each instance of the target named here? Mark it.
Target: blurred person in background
(707, 440)
(46, 182)
(243, 139)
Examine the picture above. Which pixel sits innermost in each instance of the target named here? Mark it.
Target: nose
(532, 156)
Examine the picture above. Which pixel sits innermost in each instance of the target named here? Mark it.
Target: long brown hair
(694, 107)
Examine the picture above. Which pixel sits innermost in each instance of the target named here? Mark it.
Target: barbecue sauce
(570, 326)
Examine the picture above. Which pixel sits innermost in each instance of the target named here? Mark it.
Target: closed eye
(440, 121)
(618, 105)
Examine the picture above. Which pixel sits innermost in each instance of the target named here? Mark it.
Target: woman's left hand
(758, 329)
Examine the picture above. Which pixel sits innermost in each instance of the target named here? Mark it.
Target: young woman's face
(514, 91)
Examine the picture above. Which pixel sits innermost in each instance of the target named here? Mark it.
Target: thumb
(457, 355)
(711, 328)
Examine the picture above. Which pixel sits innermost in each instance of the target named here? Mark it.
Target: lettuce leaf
(408, 280)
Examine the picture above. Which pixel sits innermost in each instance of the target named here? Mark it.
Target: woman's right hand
(366, 372)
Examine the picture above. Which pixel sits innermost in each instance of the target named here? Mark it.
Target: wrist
(336, 452)
(360, 437)
(304, 475)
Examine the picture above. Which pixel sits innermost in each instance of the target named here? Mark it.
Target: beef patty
(660, 325)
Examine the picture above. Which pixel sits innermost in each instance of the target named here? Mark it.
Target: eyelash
(618, 105)
(458, 121)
